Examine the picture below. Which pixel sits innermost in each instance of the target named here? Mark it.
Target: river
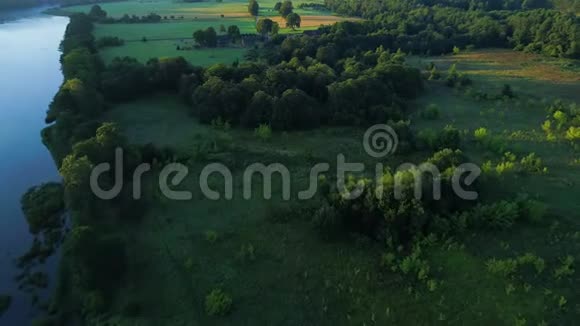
(29, 77)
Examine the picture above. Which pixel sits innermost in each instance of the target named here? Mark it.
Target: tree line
(426, 27)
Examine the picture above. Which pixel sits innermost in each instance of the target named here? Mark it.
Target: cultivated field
(180, 20)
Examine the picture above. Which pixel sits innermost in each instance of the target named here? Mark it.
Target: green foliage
(206, 38)
(566, 268)
(507, 92)
(211, 236)
(415, 266)
(500, 216)
(247, 253)
(263, 132)
(430, 113)
(481, 134)
(293, 20)
(266, 26)
(286, 8)
(43, 207)
(449, 137)
(253, 8)
(218, 303)
(532, 164)
(511, 267)
(234, 32)
(456, 50)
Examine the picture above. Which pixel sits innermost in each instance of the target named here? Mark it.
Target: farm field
(185, 18)
(143, 51)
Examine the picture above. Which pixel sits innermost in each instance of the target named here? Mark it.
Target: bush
(211, 236)
(449, 137)
(263, 132)
(218, 303)
(43, 207)
(430, 113)
(566, 268)
(501, 215)
(532, 164)
(506, 91)
(481, 134)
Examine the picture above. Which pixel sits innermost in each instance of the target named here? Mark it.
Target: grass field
(187, 18)
(536, 81)
(143, 51)
(292, 276)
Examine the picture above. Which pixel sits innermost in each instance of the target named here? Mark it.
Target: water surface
(29, 77)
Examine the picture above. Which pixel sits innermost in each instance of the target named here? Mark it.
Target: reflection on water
(29, 77)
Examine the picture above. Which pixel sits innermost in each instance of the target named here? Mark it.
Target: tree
(259, 110)
(253, 8)
(199, 37)
(207, 38)
(265, 26)
(293, 20)
(286, 8)
(234, 33)
(507, 91)
(277, 6)
(97, 13)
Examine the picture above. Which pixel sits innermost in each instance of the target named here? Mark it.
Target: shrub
(573, 134)
(430, 113)
(532, 210)
(532, 164)
(43, 206)
(247, 252)
(447, 158)
(480, 134)
(505, 167)
(218, 303)
(263, 132)
(211, 236)
(506, 91)
(456, 50)
(566, 268)
(501, 215)
(414, 266)
(449, 137)
(505, 267)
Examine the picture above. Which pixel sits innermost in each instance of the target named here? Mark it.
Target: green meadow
(279, 260)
